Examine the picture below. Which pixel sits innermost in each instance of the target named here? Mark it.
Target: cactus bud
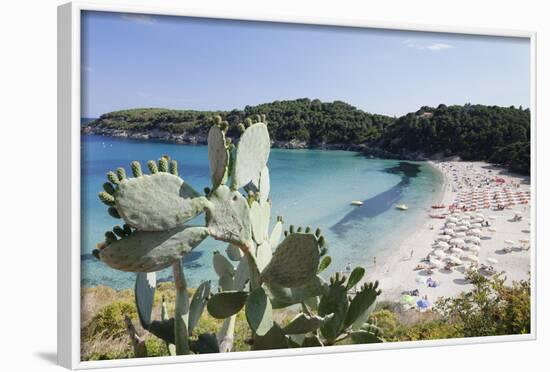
(163, 165)
(258, 118)
(308, 229)
(217, 120)
(224, 126)
(95, 253)
(109, 188)
(119, 231)
(264, 118)
(127, 229)
(152, 167)
(241, 127)
(228, 142)
(291, 229)
(247, 122)
(112, 177)
(106, 198)
(113, 212)
(318, 232)
(136, 169)
(174, 167)
(321, 241)
(121, 174)
(207, 190)
(110, 237)
(299, 229)
(286, 233)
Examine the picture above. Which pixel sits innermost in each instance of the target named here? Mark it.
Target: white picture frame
(69, 16)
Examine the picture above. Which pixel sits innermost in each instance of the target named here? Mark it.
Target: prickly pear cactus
(260, 274)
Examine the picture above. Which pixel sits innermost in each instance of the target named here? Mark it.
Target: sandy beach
(486, 228)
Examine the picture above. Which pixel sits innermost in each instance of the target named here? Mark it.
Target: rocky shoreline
(294, 144)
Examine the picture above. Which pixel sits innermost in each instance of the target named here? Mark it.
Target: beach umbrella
(509, 242)
(475, 240)
(475, 232)
(457, 250)
(439, 253)
(524, 241)
(444, 237)
(449, 231)
(491, 229)
(443, 245)
(408, 299)
(437, 263)
(455, 260)
(461, 234)
(478, 220)
(450, 225)
(473, 258)
(476, 225)
(474, 248)
(492, 260)
(461, 228)
(457, 241)
(423, 304)
(479, 215)
(452, 219)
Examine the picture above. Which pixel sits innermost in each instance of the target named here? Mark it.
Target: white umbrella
(439, 253)
(449, 232)
(450, 225)
(455, 259)
(472, 257)
(457, 241)
(474, 248)
(478, 220)
(492, 260)
(457, 250)
(492, 218)
(452, 219)
(461, 228)
(475, 240)
(479, 215)
(509, 242)
(437, 263)
(444, 237)
(443, 245)
(476, 226)
(420, 280)
(524, 241)
(492, 230)
(461, 234)
(475, 232)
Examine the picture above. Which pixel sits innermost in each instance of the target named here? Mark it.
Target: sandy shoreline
(462, 180)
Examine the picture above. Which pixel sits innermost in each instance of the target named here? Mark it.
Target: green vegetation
(490, 309)
(473, 132)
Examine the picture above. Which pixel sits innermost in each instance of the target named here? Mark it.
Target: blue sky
(131, 61)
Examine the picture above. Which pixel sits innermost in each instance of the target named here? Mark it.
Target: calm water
(308, 187)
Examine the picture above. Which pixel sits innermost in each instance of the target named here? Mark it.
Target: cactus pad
(259, 313)
(234, 253)
(224, 304)
(264, 184)
(252, 154)
(295, 261)
(259, 218)
(282, 297)
(228, 217)
(198, 303)
(222, 266)
(218, 156)
(303, 323)
(157, 202)
(144, 294)
(147, 251)
(263, 255)
(275, 237)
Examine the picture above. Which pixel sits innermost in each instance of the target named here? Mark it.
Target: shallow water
(308, 187)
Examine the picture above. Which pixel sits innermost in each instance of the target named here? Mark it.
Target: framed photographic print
(235, 186)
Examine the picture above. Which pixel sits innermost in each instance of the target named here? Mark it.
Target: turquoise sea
(308, 187)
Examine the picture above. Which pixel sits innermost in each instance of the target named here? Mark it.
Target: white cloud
(419, 45)
(139, 18)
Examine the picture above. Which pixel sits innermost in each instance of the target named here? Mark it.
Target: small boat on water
(438, 216)
(438, 206)
(357, 203)
(401, 207)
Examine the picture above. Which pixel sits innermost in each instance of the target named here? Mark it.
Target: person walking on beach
(412, 253)
(374, 260)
